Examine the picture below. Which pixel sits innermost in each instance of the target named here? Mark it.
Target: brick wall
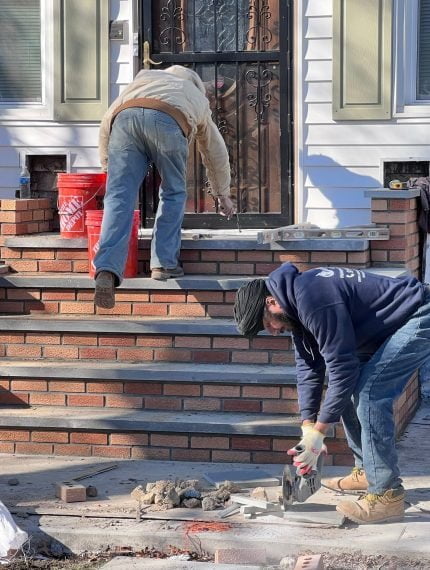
(398, 209)
(20, 217)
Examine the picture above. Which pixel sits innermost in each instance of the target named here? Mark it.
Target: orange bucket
(93, 222)
(78, 193)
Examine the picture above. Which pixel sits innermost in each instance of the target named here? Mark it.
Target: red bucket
(78, 193)
(94, 222)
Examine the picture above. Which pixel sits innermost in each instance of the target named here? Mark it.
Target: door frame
(286, 91)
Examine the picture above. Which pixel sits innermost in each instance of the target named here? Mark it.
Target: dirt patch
(356, 561)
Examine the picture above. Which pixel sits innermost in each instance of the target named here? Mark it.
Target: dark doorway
(242, 51)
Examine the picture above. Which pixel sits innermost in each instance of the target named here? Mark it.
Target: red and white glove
(308, 449)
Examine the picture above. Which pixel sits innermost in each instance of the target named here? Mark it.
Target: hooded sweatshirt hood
(281, 286)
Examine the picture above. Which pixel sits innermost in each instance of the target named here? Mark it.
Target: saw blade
(287, 487)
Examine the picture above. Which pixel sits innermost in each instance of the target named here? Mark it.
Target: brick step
(135, 340)
(221, 254)
(72, 294)
(182, 436)
(151, 386)
(189, 296)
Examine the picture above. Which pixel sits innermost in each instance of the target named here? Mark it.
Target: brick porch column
(397, 209)
(21, 217)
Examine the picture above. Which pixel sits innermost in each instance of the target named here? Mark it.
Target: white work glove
(226, 206)
(311, 444)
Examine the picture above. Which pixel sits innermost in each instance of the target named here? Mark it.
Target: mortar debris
(167, 494)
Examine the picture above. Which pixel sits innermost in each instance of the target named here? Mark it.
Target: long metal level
(296, 232)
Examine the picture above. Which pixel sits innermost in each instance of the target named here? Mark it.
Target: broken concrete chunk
(172, 498)
(209, 504)
(138, 493)
(91, 491)
(189, 493)
(259, 493)
(191, 503)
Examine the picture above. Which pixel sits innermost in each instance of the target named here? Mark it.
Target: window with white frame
(20, 52)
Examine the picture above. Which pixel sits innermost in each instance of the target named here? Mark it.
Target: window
(20, 52)
(423, 51)
(412, 58)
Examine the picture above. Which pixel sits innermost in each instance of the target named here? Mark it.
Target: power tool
(298, 488)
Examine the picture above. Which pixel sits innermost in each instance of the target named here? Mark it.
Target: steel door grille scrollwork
(242, 51)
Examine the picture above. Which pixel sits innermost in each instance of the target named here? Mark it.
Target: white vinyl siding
(338, 160)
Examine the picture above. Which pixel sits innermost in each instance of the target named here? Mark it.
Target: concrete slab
(279, 536)
(124, 563)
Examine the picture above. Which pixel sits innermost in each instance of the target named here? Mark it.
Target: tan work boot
(355, 481)
(370, 508)
(162, 274)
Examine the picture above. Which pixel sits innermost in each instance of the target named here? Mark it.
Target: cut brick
(239, 556)
(310, 562)
(70, 492)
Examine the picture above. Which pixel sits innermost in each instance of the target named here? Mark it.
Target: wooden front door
(242, 51)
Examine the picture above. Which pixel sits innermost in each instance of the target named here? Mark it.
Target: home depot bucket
(78, 193)
(94, 222)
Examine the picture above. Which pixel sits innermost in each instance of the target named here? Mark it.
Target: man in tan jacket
(154, 120)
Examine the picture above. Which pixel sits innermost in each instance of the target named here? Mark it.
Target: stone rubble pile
(189, 493)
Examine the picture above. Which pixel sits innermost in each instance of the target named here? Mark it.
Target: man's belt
(148, 103)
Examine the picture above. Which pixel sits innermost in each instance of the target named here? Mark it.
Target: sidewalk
(109, 520)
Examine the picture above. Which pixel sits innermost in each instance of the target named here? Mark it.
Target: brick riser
(183, 447)
(195, 261)
(155, 303)
(165, 446)
(138, 348)
(269, 399)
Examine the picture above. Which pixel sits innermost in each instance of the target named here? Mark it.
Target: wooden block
(310, 562)
(70, 491)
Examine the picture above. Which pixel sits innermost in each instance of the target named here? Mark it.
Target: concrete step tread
(232, 240)
(151, 372)
(114, 325)
(118, 419)
(187, 283)
(83, 281)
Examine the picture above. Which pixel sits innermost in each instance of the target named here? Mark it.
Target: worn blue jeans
(368, 420)
(138, 137)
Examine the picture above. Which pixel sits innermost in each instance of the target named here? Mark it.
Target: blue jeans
(138, 137)
(369, 420)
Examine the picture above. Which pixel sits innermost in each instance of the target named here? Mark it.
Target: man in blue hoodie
(368, 334)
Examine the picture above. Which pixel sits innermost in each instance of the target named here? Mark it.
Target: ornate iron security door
(242, 51)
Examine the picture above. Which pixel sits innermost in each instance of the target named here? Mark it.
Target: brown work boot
(370, 508)
(104, 295)
(162, 274)
(355, 481)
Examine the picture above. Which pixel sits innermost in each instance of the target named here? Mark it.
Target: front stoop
(165, 374)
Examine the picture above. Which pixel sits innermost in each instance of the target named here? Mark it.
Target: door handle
(147, 61)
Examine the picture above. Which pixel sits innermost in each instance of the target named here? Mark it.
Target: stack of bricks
(21, 217)
(398, 209)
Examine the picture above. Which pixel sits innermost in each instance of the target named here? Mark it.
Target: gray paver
(242, 477)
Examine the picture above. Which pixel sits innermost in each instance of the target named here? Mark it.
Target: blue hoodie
(340, 313)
